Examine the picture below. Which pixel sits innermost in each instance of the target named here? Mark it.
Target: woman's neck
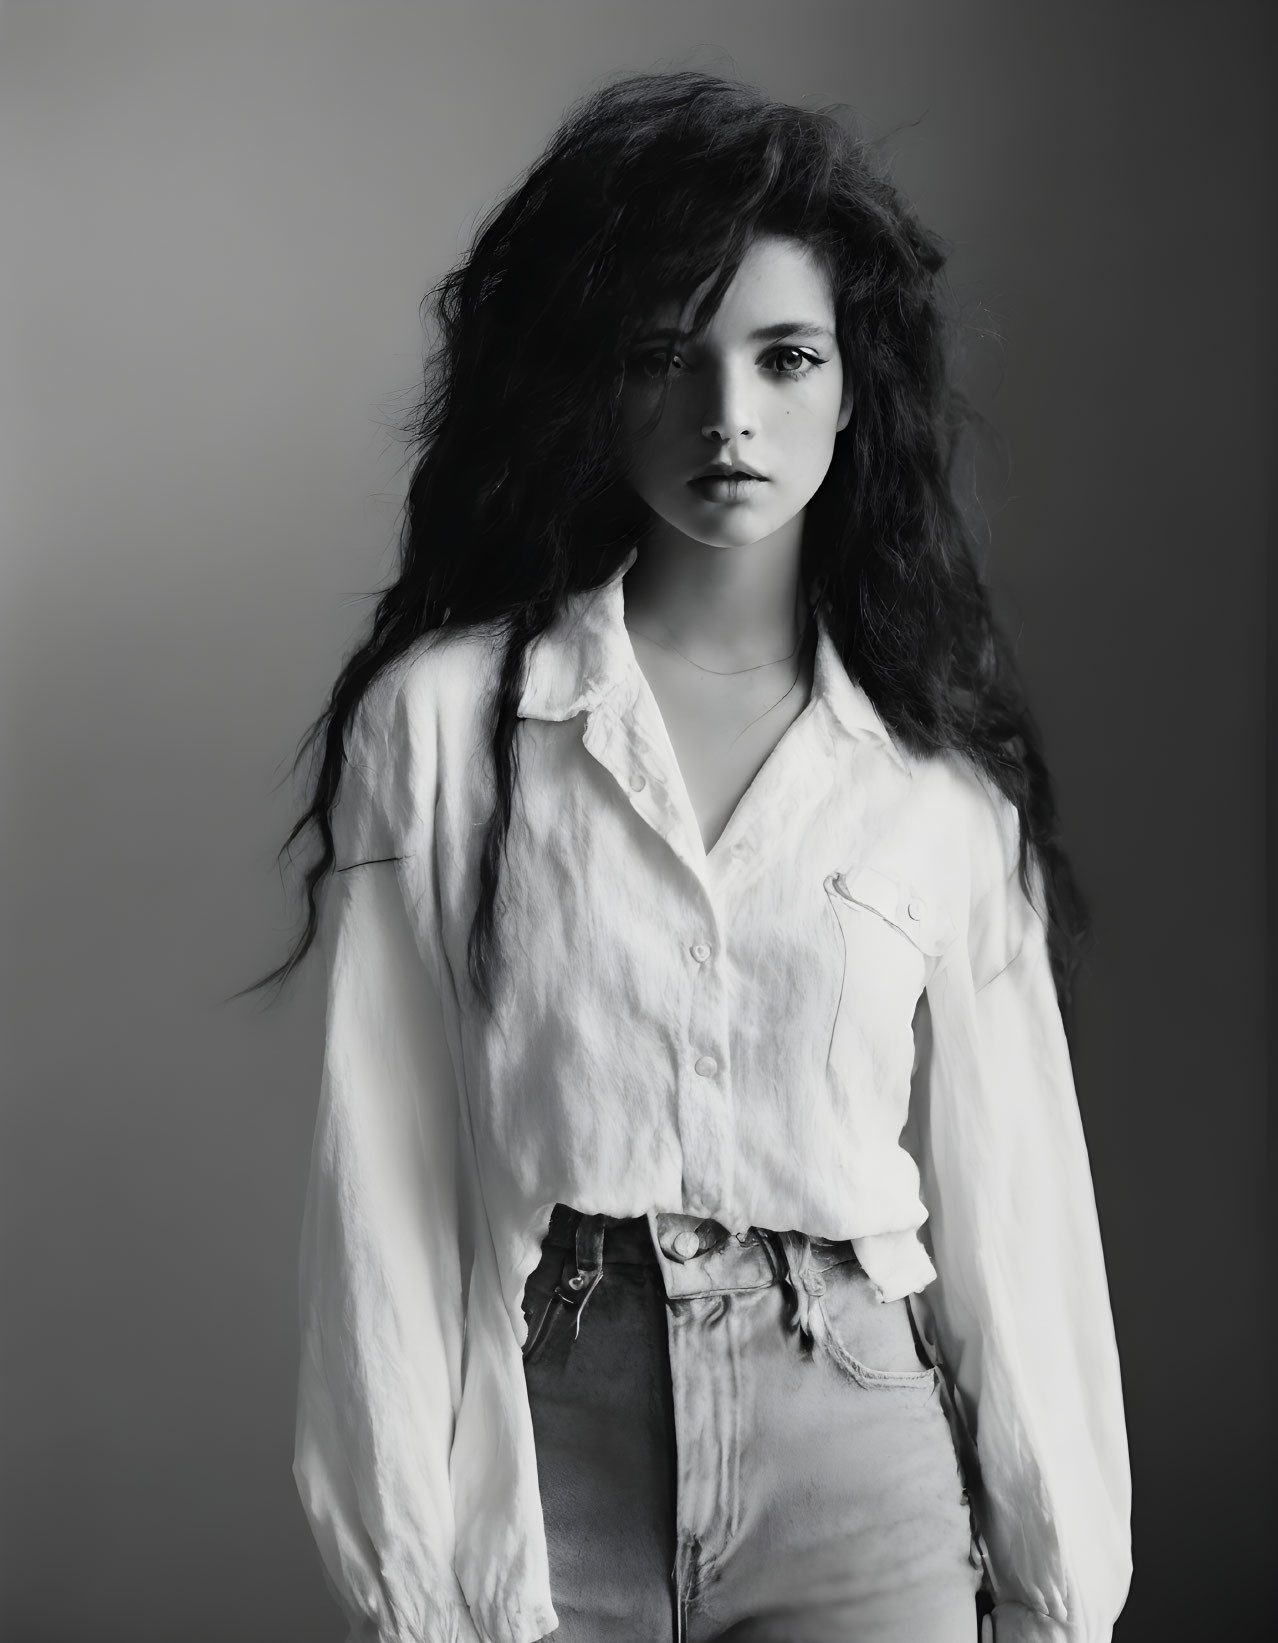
(723, 607)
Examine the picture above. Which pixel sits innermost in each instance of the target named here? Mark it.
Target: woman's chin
(732, 529)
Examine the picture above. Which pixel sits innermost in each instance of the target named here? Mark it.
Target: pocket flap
(921, 919)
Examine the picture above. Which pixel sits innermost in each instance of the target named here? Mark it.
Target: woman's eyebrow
(765, 333)
(790, 328)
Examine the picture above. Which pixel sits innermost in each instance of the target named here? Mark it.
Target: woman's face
(760, 389)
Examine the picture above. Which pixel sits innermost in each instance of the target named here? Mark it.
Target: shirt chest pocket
(887, 936)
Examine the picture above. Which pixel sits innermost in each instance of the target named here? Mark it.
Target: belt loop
(589, 1241)
(805, 1286)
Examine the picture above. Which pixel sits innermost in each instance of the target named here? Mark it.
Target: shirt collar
(847, 702)
(585, 656)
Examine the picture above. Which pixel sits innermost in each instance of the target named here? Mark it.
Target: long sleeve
(382, 1261)
(1021, 1305)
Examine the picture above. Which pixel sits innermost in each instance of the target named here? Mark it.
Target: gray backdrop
(219, 222)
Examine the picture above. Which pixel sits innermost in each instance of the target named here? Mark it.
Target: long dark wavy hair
(652, 186)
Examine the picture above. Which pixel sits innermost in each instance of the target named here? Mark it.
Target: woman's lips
(726, 487)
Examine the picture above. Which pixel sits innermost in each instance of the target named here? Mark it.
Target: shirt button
(915, 909)
(638, 783)
(685, 1244)
(701, 952)
(707, 1066)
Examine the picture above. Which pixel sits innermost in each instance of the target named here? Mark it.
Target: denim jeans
(736, 1441)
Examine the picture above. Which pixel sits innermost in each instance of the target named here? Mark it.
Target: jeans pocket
(543, 1308)
(872, 1340)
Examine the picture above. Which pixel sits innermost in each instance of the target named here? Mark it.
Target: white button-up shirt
(840, 1020)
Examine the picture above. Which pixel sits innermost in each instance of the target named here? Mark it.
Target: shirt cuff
(895, 1263)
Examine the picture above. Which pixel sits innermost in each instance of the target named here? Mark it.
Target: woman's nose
(728, 412)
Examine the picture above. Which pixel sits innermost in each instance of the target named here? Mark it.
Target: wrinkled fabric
(840, 1020)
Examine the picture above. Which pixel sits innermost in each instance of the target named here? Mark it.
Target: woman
(699, 1241)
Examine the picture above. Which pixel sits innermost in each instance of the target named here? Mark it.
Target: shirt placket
(615, 741)
(703, 1095)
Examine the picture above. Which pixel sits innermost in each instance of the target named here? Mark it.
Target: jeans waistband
(697, 1256)
(629, 1240)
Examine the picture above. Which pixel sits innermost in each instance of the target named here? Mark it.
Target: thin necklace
(724, 672)
(781, 698)
(803, 638)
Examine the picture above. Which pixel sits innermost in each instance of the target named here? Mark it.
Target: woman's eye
(655, 364)
(794, 362)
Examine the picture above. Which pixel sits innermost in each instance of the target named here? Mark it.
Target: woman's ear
(845, 408)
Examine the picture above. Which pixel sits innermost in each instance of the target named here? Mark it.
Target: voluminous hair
(652, 187)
